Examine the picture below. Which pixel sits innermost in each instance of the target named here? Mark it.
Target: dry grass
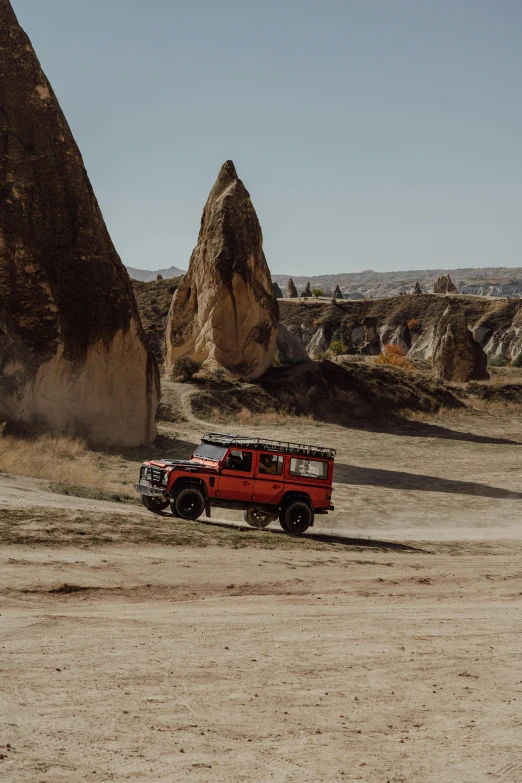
(66, 461)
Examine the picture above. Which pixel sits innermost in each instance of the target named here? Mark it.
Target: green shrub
(497, 361)
(337, 347)
(317, 291)
(517, 361)
(185, 368)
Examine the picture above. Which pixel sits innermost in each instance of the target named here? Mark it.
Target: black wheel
(188, 503)
(154, 504)
(256, 517)
(296, 516)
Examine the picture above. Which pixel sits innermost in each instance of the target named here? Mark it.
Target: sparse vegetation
(394, 356)
(413, 325)
(337, 347)
(498, 361)
(517, 361)
(184, 369)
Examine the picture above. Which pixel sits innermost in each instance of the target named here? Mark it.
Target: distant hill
(146, 275)
(491, 281)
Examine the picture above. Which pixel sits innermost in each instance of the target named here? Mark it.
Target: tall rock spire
(73, 354)
(224, 313)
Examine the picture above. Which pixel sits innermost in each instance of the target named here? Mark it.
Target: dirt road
(129, 656)
(248, 665)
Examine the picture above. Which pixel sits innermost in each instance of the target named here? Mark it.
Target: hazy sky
(381, 134)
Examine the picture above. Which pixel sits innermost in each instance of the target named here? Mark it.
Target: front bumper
(145, 489)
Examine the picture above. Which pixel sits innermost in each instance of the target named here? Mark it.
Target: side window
(239, 460)
(308, 468)
(269, 463)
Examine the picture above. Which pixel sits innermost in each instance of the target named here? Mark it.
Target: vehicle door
(236, 480)
(268, 477)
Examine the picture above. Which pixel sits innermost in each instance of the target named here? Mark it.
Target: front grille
(157, 475)
(152, 475)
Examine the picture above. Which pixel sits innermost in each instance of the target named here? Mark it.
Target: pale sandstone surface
(224, 313)
(456, 355)
(73, 354)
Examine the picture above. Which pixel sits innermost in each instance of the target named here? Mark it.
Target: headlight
(165, 479)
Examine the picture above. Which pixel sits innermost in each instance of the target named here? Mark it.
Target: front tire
(296, 517)
(256, 517)
(154, 504)
(188, 503)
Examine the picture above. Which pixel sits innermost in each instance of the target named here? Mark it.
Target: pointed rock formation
(307, 291)
(338, 294)
(224, 313)
(417, 290)
(277, 291)
(291, 290)
(456, 355)
(73, 354)
(444, 285)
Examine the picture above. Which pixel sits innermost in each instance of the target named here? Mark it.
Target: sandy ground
(362, 662)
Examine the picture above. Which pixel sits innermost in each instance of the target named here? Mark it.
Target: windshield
(210, 451)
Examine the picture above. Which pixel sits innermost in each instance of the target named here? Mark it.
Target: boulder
(73, 355)
(444, 285)
(308, 291)
(290, 348)
(319, 343)
(456, 355)
(291, 290)
(417, 289)
(338, 294)
(224, 313)
(277, 291)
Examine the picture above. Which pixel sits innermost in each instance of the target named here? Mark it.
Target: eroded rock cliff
(456, 355)
(224, 313)
(73, 354)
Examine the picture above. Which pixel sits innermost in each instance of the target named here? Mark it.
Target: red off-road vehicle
(268, 479)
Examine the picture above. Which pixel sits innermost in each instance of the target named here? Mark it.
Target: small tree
(337, 347)
(393, 356)
(517, 361)
(317, 292)
(184, 369)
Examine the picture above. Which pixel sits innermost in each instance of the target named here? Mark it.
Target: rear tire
(188, 503)
(154, 504)
(256, 517)
(295, 517)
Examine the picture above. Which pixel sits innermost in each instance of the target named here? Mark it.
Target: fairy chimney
(224, 313)
(291, 290)
(73, 355)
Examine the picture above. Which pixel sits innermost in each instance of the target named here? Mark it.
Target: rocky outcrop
(417, 289)
(289, 347)
(338, 294)
(291, 290)
(457, 356)
(308, 291)
(409, 321)
(444, 285)
(73, 355)
(224, 313)
(277, 291)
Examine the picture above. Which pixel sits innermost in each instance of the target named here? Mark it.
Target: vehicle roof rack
(286, 447)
